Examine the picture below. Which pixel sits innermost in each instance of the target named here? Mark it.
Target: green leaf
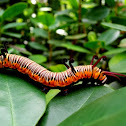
(12, 25)
(37, 46)
(64, 18)
(118, 63)
(77, 36)
(61, 107)
(64, 12)
(115, 51)
(68, 45)
(16, 35)
(1, 13)
(74, 4)
(109, 36)
(38, 58)
(92, 36)
(20, 48)
(46, 19)
(115, 26)
(14, 10)
(56, 42)
(57, 68)
(51, 94)
(96, 44)
(109, 110)
(122, 43)
(39, 32)
(6, 39)
(20, 102)
(75, 47)
(98, 13)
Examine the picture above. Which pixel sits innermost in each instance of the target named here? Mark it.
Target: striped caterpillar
(56, 79)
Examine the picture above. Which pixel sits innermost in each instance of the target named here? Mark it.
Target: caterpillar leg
(65, 91)
(45, 89)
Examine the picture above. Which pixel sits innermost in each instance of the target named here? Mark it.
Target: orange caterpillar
(56, 79)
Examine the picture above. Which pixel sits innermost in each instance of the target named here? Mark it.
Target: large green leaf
(98, 13)
(75, 47)
(68, 45)
(38, 58)
(77, 36)
(118, 63)
(115, 51)
(1, 13)
(19, 48)
(46, 19)
(96, 44)
(61, 107)
(115, 26)
(92, 36)
(37, 46)
(109, 110)
(57, 68)
(14, 10)
(74, 4)
(51, 94)
(109, 36)
(122, 43)
(64, 18)
(21, 104)
(16, 35)
(39, 32)
(12, 25)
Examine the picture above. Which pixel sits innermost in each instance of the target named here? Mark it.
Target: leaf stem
(50, 46)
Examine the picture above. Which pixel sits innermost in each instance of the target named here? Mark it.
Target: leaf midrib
(11, 104)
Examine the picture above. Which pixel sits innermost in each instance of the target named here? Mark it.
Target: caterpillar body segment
(52, 79)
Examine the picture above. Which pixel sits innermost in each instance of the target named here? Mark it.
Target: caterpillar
(56, 79)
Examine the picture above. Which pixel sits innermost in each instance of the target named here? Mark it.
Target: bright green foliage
(57, 68)
(46, 19)
(62, 107)
(12, 25)
(14, 10)
(48, 32)
(38, 58)
(117, 63)
(109, 36)
(98, 13)
(104, 111)
(115, 26)
(37, 46)
(40, 33)
(20, 102)
(51, 94)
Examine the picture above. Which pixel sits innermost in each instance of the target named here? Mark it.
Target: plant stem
(79, 16)
(116, 7)
(0, 33)
(50, 46)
